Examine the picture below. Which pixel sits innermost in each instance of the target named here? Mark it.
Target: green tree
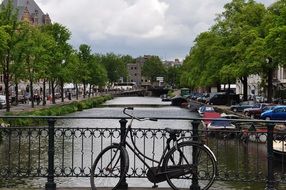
(98, 73)
(73, 67)
(172, 76)
(240, 23)
(274, 26)
(153, 67)
(85, 58)
(59, 54)
(9, 25)
(222, 54)
(114, 66)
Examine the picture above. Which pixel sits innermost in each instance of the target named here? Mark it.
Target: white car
(2, 101)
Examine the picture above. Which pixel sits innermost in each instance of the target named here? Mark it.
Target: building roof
(30, 11)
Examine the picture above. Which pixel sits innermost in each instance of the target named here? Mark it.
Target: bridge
(58, 152)
(136, 92)
(149, 91)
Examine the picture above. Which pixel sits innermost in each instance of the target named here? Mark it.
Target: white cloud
(163, 27)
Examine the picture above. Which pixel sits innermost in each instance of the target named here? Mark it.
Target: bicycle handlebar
(137, 118)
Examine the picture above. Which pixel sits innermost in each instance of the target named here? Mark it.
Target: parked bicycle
(186, 164)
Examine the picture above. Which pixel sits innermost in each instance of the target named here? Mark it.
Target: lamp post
(269, 79)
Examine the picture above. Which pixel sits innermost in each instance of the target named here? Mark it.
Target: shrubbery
(56, 110)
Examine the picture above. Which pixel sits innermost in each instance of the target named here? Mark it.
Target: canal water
(144, 107)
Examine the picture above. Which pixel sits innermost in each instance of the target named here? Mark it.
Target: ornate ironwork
(53, 151)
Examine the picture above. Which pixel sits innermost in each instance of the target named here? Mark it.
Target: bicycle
(188, 163)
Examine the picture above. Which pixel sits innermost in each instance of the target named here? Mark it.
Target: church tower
(29, 11)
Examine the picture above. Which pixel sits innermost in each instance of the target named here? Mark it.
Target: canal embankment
(60, 109)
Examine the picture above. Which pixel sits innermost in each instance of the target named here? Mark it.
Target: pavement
(28, 106)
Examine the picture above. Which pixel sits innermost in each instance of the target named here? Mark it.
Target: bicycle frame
(139, 154)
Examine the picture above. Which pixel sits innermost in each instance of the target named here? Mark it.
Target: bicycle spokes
(109, 167)
(189, 163)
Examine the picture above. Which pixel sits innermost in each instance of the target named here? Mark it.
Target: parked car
(223, 99)
(279, 101)
(260, 99)
(241, 106)
(276, 113)
(3, 102)
(257, 110)
(203, 98)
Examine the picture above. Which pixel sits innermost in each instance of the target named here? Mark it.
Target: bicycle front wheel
(110, 167)
(190, 165)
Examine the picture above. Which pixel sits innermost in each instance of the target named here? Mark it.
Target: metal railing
(53, 151)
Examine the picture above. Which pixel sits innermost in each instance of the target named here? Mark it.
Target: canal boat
(258, 132)
(165, 98)
(279, 149)
(253, 134)
(179, 101)
(219, 125)
(208, 111)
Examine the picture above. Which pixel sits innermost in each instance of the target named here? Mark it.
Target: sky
(166, 28)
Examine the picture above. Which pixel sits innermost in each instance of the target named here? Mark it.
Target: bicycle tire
(180, 174)
(107, 165)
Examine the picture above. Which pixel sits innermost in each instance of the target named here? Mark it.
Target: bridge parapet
(69, 151)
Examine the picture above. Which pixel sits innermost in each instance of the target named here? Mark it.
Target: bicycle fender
(210, 152)
(200, 144)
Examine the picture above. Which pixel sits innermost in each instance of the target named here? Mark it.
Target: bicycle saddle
(173, 131)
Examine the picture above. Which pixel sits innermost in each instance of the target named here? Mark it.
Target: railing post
(123, 122)
(270, 183)
(51, 185)
(195, 179)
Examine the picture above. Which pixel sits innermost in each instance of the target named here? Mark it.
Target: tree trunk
(6, 81)
(228, 94)
(89, 93)
(16, 94)
(44, 92)
(32, 94)
(218, 87)
(50, 91)
(62, 90)
(245, 89)
(76, 89)
(269, 85)
(53, 92)
(84, 89)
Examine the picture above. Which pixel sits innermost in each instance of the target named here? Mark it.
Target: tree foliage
(244, 35)
(153, 67)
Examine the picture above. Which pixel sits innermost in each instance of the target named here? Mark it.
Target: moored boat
(219, 125)
(179, 101)
(279, 149)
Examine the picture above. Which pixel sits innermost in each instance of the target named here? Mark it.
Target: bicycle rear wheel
(190, 165)
(110, 167)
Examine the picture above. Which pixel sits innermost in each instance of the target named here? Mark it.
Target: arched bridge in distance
(150, 91)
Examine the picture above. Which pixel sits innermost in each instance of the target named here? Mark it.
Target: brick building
(30, 11)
